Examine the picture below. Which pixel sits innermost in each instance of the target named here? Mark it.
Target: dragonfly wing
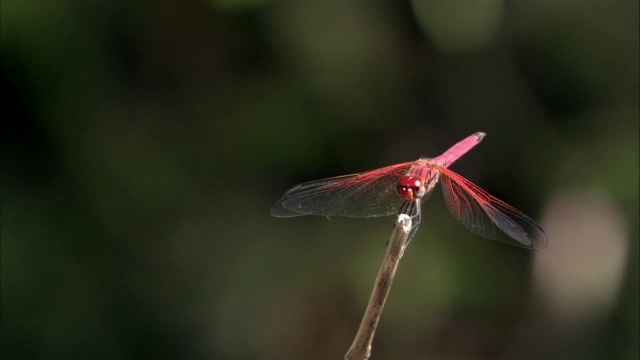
(368, 194)
(488, 216)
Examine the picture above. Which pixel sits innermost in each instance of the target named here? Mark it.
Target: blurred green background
(144, 143)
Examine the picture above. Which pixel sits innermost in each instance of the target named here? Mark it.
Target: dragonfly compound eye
(408, 187)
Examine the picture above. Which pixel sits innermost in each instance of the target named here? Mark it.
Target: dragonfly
(402, 188)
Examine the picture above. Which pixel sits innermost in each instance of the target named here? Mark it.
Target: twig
(361, 347)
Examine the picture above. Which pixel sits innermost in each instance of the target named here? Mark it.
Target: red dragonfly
(401, 188)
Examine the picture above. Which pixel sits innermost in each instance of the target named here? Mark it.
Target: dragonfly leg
(413, 210)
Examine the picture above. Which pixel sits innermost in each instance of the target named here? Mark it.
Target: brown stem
(361, 347)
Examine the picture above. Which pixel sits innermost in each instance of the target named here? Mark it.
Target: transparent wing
(367, 194)
(488, 216)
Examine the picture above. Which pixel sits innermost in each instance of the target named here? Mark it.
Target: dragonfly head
(411, 187)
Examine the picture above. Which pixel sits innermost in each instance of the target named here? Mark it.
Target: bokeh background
(144, 143)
